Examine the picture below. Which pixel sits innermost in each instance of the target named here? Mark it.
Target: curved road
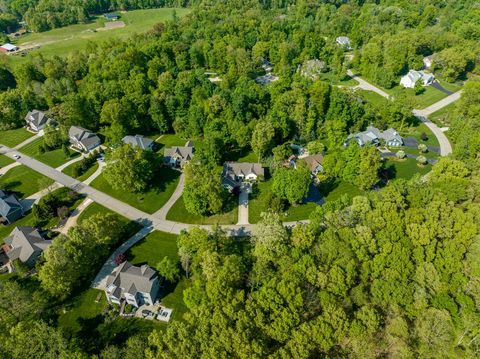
(422, 115)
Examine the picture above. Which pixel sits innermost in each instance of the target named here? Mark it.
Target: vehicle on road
(17, 157)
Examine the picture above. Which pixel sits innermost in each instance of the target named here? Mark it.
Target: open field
(12, 138)
(165, 183)
(53, 158)
(179, 213)
(63, 40)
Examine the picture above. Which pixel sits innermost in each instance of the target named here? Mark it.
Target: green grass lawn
(150, 201)
(151, 250)
(405, 169)
(23, 181)
(95, 208)
(53, 158)
(336, 189)
(179, 213)
(416, 131)
(27, 220)
(5, 161)
(372, 97)
(63, 40)
(83, 306)
(12, 138)
(258, 204)
(170, 140)
(249, 157)
(453, 87)
(69, 171)
(333, 79)
(443, 116)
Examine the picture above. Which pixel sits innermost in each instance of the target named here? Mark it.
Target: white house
(135, 285)
(234, 174)
(83, 140)
(428, 61)
(36, 120)
(410, 79)
(344, 42)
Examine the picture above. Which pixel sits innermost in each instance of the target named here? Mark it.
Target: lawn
(151, 201)
(63, 40)
(170, 140)
(80, 308)
(334, 190)
(333, 79)
(5, 161)
(69, 171)
(229, 216)
(416, 131)
(53, 158)
(372, 97)
(405, 169)
(11, 138)
(27, 220)
(151, 250)
(258, 204)
(23, 181)
(442, 117)
(249, 157)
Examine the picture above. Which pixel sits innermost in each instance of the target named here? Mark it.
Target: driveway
(162, 212)
(243, 207)
(364, 85)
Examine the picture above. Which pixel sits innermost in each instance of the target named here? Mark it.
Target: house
(315, 163)
(36, 120)
(83, 140)
(177, 156)
(344, 42)
(313, 68)
(135, 285)
(373, 136)
(268, 77)
(112, 16)
(10, 207)
(410, 79)
(8, 48)
(139, 141)
(26, 244)
(428, 61)
(234, 173)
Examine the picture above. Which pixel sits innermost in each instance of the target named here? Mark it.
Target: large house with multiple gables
(83, 140)
(10, 207)
(235, 173)
(178, 156)
(36, 120)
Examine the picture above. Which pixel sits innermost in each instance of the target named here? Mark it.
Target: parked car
(16, 157)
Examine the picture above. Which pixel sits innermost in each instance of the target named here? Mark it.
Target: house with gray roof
(10, 207)
(135, 285)
(178, 156)
(26, 244)
(344, 42)
(139, 141)
(234, 173)
(374, 136)
(410, 79)
(83, 140)
(36, 120)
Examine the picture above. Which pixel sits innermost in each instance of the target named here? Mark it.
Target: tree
(292, 184)
(7, 80)
(130, 169)
(422, 148)
(168, 269)
(262, 139)
(203, 193)
(400, 154)
(422, 160)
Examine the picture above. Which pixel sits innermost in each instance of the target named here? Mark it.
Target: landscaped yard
(372, 97)
(442, 117)
(69, 171)
(63, 40)
(179, 213)
(334, 190)
(416, 132)
(405, 169)
(151, 250)
(5, 161)
(11, 138)
(165, 183)
(53, 158)
(23, 181)
(27, 220)
(332, 78)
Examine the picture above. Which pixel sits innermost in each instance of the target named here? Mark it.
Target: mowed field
(63, 40)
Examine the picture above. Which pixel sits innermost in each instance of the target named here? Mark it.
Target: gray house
(135, 285)
(36, 120)
(374, 136)
(83, 140)
(10, 208)
(234, 173)
(139, 141)
(344, 42)
(177, 156)
(25, 244)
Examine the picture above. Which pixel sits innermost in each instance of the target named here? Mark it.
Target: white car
(17, 157)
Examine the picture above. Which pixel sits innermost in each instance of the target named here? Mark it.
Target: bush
(422, 148)
(401, 154)
(422, 160)
(423, 136)
(274, 203)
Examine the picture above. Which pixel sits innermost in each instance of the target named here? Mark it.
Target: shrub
(401, 154)
(422, 148)
(423, 136)
(422, 160)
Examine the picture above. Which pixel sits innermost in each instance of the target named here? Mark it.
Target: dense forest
(393, 273)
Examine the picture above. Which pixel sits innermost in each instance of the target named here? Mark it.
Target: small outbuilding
(111, 16)
(8, 48)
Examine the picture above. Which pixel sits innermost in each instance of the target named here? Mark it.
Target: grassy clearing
(12, 138)
(249, 157)
(151, 250)
(5, 161)
(63, 40)
(334, 190)
(405, 169)
(258, 204)
(23, 181)
(443, 116)
(229, 216)
(150, 201)
(372, 97)
(69, 171)
(333, 79)
(53, 158)
(416, 132)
